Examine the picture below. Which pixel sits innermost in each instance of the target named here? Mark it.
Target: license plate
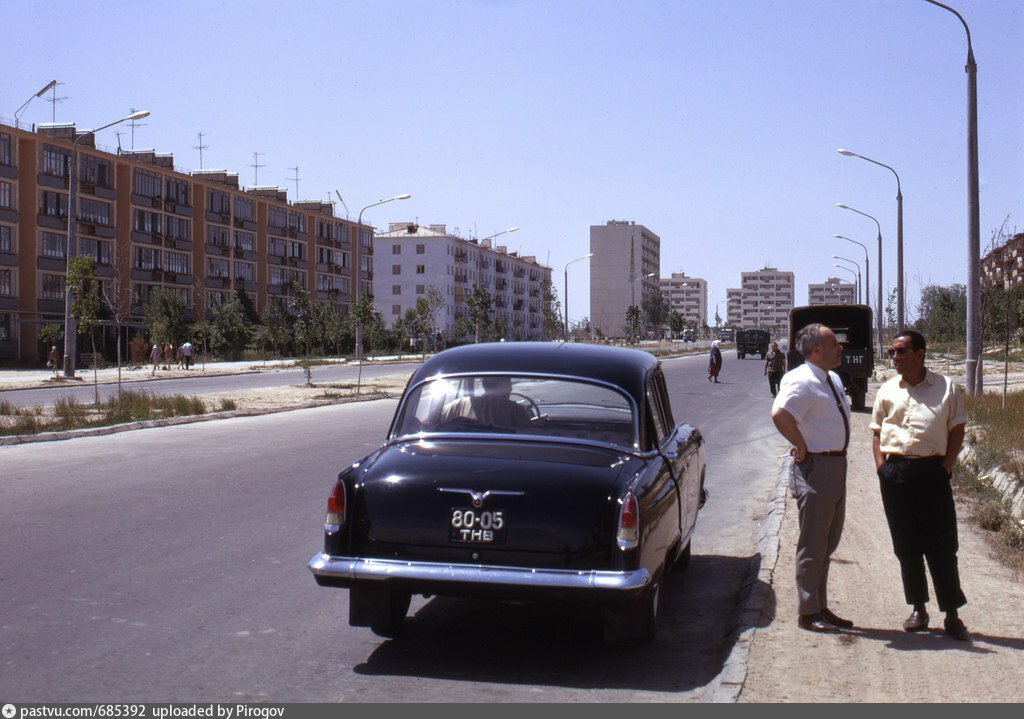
(477, 526)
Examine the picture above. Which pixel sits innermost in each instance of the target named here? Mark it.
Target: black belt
(830, 453)
(909, 458)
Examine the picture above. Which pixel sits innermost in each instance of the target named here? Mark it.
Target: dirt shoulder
(877, 661)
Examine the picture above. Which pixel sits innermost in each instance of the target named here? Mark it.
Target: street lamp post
(358, 270)
(878, 313)
(70, 328)
(900, 315)
(867, 268)
(847, 269)
(718, 315)
(852, 262)
(17, 113)
(565, 336)
(974, 380)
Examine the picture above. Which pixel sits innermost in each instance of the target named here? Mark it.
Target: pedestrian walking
(168, 355)
(186, 351)
(180, 355)
(154, 356)
(714, 362)
(53, 360)
(774, 367)
(918, 421)
(814, 416)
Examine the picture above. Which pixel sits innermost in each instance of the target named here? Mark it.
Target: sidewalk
(877, 661)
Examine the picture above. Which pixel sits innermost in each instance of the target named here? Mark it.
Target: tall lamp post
(17, 113)
(847, 269)
(867, 268)
(878, 313)
(358, 269)
(70, 326)
(900, 315)
(974, 381)
(852, 262)
(565, 336)
(718, 315)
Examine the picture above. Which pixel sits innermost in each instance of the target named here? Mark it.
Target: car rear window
(510, 404)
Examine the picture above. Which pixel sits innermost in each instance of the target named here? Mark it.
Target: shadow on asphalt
(559, 644)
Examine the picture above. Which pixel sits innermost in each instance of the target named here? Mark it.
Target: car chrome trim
(480, 497)
(477, 436)
(326, 565)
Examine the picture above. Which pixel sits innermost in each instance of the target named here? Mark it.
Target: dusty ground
(877, 661)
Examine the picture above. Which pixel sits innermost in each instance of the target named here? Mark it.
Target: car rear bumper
(437, 577)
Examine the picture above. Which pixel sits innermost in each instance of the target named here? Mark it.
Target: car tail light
(335, 508)
(629, 522)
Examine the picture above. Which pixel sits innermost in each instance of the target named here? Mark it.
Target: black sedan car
(521, 471)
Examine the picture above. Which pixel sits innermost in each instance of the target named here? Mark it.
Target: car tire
(636, 621)
(398, 607)
(741, 355)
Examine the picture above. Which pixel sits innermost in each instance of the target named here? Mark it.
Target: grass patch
(228, 405)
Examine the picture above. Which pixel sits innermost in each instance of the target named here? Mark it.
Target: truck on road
(852, 327)
(752, 342)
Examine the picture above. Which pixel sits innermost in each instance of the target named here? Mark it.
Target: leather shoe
(817, 623)
(955, 628)
(835, 619)
(916, 622)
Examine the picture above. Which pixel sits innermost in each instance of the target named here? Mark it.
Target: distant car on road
(521, 471)
(689, 336)
(727, 334)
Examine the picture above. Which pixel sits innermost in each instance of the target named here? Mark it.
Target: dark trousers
(773, 382)
(819, 486)
(918, 502)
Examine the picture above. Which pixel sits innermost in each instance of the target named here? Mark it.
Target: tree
(676, 323)
(164, 314)
(551, 311)
(273, 327)
(229, 333)
(479, 304)
(117, 297)
(435, 301)
(633, 323)
(655, 311)
(942, 313)
(87, 306)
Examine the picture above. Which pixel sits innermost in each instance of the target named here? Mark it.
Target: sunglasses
(899, 350)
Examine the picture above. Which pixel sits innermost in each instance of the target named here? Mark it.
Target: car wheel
(636, 621)
(398, 606)
(383, 610)
(740, 355)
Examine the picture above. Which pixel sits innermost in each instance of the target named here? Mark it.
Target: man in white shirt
(918, 422)
(812, 412)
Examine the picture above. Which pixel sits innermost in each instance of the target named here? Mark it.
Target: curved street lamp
(565, 336)
(974, 380)
(900, 316)
(852, 262)
(847, 269)
(357, 269)
(867, 268)
(70, 326)
(878, 313)
(17, 113)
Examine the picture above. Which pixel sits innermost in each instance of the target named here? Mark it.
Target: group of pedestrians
(167, 354)
(774, 365)
(917, 425)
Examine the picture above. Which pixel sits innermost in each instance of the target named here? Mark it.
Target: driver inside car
(494, 407)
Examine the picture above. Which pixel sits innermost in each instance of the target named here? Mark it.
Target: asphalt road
(168, 564)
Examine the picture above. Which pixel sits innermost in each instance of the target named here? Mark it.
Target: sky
(712, 123)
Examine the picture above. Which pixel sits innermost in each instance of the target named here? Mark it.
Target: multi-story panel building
(833, 291)
(1004, 263)
(415, 258)
(624, 271)
(733, 315)
(764, 300)
(688, 296)
(147, 225)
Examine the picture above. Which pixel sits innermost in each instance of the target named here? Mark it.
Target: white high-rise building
(623, 272)
(688, 296)
(833, 291)
(764, 300)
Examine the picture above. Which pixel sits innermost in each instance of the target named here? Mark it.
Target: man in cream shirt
(918, 423)
(812, 412)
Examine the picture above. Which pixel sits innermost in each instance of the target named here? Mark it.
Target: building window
(245, 241)
(55, 161)
(218, 202)
(6, 283)
(365, 238)
(98, 250)
(216, 298)
(323, 229)
(278, 247)
(277, 217)
(5, 149)
(147, 184)
(297, 250)
(366, 264)
(245, 271)
(341, 259)
(421, 289)
(94, 211)
(176, 262)
(396, 269)
(148, 222)
(245, 209)
(421, 249)
(52, 287)
(178, 227)
(396, 309)
(54, 204)
(95, 170)
(216, 267)
(421, 269)
(216, 236)
(54, 245)
(6, 196)
(177, 191)
(323, 255)
(146, 258)
(6, 238)
(396, 289)
(396, 249)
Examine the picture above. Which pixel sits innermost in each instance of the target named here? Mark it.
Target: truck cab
(752, 342)
(852, 327)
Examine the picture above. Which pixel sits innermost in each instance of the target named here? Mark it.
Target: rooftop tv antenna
(133, 124)
(200, 147)
(256, 167)
(53, 100)
(295, 180)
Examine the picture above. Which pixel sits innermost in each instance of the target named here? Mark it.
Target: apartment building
(624, 270)
(147, 224)
(833, 291)
(686, 295)
(412, 258)
(1004, 263)
(763, 300)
